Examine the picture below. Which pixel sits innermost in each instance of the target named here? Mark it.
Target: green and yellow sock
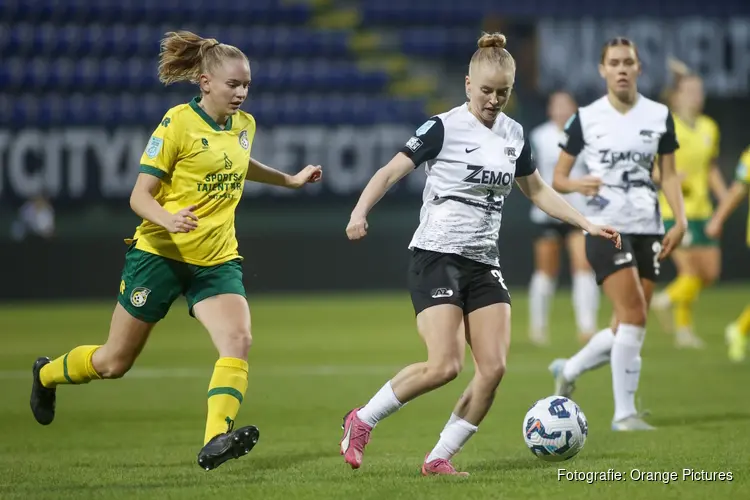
(682, 293)
(74, 367)
(225, 393)
(743, 322)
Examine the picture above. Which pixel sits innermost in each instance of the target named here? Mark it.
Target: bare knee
(492, 372)
(445, 371)
(632, 312)
(236, 343)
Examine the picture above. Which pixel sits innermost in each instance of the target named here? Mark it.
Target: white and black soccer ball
(555, 429)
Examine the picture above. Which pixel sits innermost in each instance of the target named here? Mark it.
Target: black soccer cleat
(231, 444)
(42, 398)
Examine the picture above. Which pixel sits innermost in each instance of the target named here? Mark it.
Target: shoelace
(230, 425)
(360, 431)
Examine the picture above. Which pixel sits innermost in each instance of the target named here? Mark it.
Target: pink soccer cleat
(440, 466)
(356, 436)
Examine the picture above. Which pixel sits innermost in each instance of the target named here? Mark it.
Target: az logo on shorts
(138, 296)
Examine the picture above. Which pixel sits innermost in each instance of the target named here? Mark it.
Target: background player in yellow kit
(737, 333)
(698, 259)
(191, 179)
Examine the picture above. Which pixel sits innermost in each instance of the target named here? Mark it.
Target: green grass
(315, 357)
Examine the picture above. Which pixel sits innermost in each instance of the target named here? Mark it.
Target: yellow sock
(225, 394)
(743, 322)
(74, 367)
(682, 292)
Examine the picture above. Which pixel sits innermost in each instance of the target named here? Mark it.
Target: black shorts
(442, 278)
(556, 230)
(638, 250)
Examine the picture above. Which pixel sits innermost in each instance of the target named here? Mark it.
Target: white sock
(541, 289)
(452, 419)
(626, 368)
(382, 404)
(452, 439)
(593, 355)
(585, 300)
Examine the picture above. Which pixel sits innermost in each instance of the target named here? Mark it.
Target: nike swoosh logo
(472, 150)
(345, 441)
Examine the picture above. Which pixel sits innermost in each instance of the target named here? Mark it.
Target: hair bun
(492, 40)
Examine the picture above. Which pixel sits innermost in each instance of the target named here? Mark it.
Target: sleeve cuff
(148, 169)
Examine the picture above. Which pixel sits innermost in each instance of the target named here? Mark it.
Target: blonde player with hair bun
(191, 179)
(472, 156)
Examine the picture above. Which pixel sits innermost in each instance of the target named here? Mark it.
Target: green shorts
(695, 236)
(151, 283)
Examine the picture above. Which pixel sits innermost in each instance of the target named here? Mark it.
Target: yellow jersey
(743, 175)
(699, 147)
(199, 164)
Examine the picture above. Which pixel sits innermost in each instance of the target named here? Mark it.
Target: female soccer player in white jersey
(621, 135)
(473, 153)
(552, 233)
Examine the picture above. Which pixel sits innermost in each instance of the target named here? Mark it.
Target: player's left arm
(258, 172)
(671, 185)
(550, 201)
(732, 200)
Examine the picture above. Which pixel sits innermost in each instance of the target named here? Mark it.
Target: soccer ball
(555, 429)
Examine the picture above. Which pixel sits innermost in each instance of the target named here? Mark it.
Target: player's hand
(714, 229)
(183, 221)
(672, 239)
(357, 227)
(308, 175)
(606, 232)
(588, 185)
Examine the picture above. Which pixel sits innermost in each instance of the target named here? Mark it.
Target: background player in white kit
(621, 135)
(473, 153)
(553, 233)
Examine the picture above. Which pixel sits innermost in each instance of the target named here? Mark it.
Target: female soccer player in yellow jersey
(698, 259)
(738, 332)
(191, 179)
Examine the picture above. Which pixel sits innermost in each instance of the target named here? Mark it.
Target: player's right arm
(571, 147)
(157, 163)
(422, 147)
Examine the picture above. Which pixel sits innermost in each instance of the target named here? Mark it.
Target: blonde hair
(492, 50)
(184, 56)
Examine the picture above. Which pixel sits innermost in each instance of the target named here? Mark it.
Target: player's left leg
(217, 299)
(487, 331)
(737, 335)
(585, 290)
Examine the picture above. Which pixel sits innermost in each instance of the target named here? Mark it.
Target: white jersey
(470, 171)
(620, 149)
(545, 146)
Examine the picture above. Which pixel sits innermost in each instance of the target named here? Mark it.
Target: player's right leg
(542, 285)
(127, 336)
(147, 290)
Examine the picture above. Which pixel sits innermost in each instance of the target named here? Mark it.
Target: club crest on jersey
(425, 127)
(154, 146)
(139, 296)
(414, 144)
(510, 152)
(244, 142)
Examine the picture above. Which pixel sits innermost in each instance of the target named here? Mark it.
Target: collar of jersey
(208, 119)
(477, 120)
